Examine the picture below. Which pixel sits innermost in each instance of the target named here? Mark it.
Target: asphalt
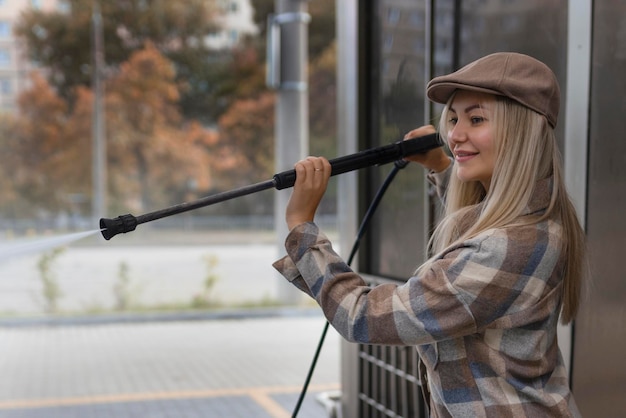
(250, 364)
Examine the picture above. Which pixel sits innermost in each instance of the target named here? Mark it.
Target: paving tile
(222, 368)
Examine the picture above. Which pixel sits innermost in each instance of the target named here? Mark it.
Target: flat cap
(519, 77)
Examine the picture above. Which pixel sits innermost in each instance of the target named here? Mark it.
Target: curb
(134, 318)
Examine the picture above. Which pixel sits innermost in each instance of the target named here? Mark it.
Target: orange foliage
(36, 143)
(154, 156)
(245, 152)
(157, 155)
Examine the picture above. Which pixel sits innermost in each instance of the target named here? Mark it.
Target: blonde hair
(526, 152)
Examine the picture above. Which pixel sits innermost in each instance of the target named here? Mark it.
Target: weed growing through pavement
(121, 288)
(204, 299)
(50, 289)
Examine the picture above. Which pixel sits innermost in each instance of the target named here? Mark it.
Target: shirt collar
(540, 199)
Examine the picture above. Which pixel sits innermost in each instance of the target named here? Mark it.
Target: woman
(506, 257)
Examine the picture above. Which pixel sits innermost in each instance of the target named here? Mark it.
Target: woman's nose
(457, 134)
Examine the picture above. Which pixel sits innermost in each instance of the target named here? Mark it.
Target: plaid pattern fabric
(483, 318)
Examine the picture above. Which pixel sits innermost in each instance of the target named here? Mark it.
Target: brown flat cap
(516, 76)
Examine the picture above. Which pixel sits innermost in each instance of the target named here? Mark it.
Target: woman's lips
(465, 156)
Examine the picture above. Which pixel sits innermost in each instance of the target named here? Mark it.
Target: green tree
(321, 28)
(239, 76)
(243, 73)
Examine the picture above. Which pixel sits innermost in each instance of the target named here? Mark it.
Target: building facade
(14, 64)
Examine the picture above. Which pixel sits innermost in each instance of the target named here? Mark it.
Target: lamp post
(287, 73)
(98, 120)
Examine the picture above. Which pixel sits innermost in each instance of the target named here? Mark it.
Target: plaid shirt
(483, 317)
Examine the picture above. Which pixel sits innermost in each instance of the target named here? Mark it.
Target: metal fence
(382, 381)
(389, 382)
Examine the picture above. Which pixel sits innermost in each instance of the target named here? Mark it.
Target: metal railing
(389, 384)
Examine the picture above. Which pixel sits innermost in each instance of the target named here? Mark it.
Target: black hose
(398, 165)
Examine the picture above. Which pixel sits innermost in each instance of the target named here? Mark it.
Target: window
(417, 19)
(233, 35)
(388, 45)
(393, 16)
(5, 29)
(5, 57)
(5, 86)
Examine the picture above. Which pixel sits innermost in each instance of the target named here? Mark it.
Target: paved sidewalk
(251, 367)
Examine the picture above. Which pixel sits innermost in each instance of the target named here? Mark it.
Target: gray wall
(599, 369)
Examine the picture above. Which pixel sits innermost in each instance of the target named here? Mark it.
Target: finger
(301, 171)
(421, 131)
(316, 164)
(326, 167)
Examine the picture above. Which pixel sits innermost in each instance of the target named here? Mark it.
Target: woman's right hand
(435, 159)
(312, 176)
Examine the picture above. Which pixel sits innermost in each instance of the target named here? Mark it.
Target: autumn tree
(60, 41)
(34, 149)
(7, 164)
(155, 156)
(154, 153)
(159, 93)
(323, 102)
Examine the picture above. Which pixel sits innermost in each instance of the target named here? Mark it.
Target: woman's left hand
(312, 175)
(435, 159)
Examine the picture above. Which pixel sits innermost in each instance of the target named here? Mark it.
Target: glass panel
(535, 27)
(400, 89)
(463, 31)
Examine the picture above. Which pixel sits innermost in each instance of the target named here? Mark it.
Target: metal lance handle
(374, 156)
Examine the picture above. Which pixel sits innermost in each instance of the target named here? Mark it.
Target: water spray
(10, 250)
(374, 156)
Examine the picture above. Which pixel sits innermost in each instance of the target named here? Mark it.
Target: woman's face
(470, 135)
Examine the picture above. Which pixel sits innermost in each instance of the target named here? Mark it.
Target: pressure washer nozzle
(120, 225)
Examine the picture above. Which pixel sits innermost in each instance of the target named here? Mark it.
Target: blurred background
(129, 106)
(118, 107)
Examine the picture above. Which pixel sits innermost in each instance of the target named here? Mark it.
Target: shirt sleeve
(441, 179)
(467, 288)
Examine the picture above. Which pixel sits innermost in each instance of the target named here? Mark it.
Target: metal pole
(98, 123)
(347, 26)
(292, 111)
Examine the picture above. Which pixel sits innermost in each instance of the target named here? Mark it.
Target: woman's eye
(477, 119)
(452, 120)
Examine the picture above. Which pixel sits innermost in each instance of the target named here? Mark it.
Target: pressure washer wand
(375, 156)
